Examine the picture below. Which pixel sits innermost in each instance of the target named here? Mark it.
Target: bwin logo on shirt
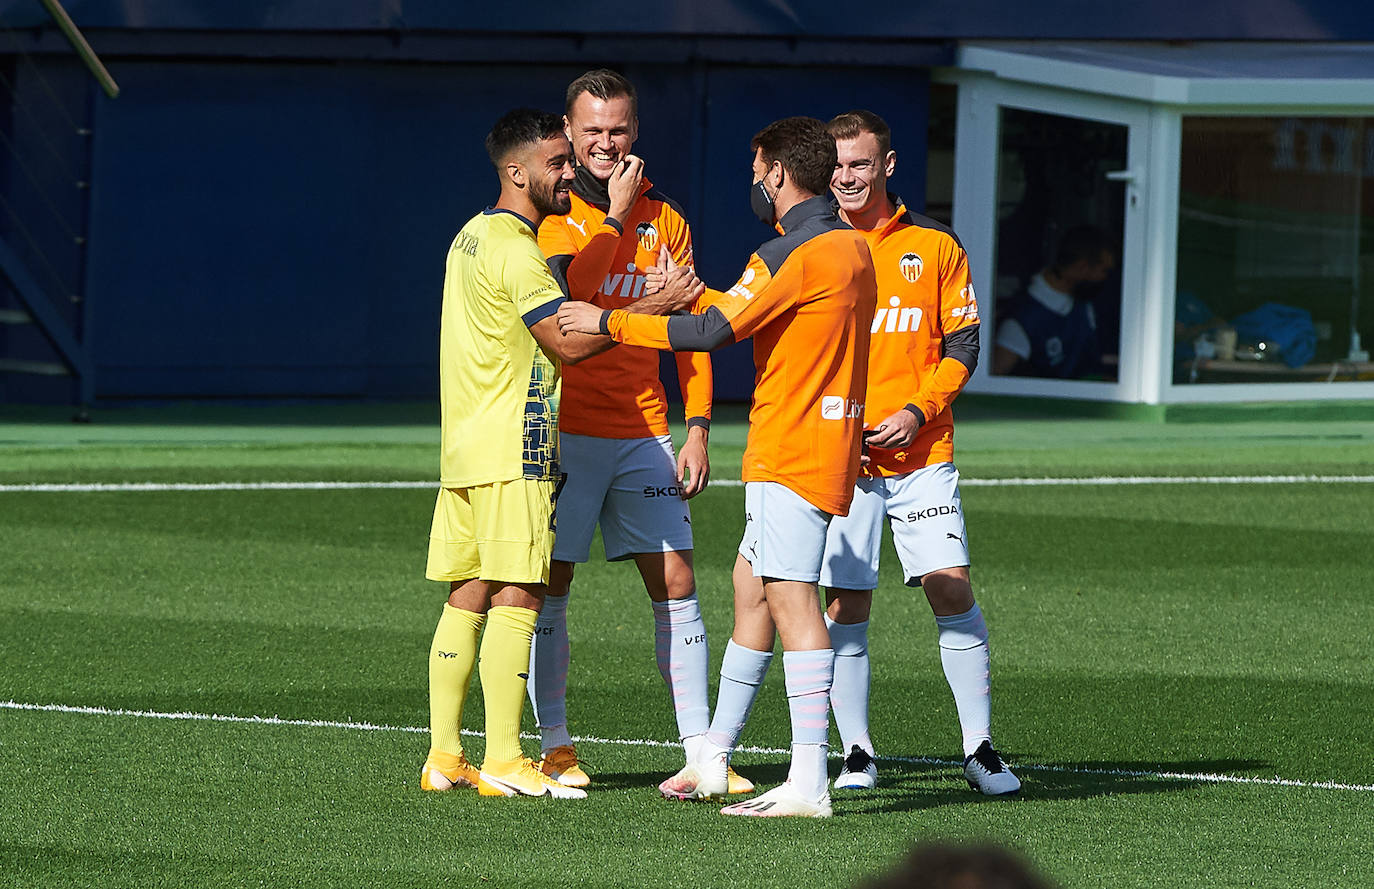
(911, 266)
(896, 319)
(648, 236)
(627, 285)
(835, 407)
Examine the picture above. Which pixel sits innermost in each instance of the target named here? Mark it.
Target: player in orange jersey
(614, 442)
(806, 298)
(923, 349)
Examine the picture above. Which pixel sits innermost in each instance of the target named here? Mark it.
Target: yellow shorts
(499, 532)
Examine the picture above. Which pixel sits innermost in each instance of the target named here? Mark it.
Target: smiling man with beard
(492, 535)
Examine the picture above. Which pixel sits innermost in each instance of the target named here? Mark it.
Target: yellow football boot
(444, 771)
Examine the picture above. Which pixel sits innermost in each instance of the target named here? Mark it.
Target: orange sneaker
(561, 765)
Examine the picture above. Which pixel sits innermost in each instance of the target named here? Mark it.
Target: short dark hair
(518, 128)
(1082, 242)
(604, 84)
(804, 147)
(853, 123)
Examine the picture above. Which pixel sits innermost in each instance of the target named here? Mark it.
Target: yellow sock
(505, 668)
(451, 657)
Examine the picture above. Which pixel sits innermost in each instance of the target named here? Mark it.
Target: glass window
(1275, 243)
(1057, 305)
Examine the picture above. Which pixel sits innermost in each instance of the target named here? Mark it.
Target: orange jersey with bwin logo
(806, 299)
(618, 394)
(924, 343)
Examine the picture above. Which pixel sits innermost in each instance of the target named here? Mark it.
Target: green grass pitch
(1145, 637)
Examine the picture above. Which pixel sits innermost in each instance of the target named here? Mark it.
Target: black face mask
(761, 203)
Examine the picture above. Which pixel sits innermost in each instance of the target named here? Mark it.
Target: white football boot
(987, 774)
(859, 772)
(780, 802)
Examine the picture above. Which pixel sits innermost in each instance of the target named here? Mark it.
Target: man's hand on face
(623, 186)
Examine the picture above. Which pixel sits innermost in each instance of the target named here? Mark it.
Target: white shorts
(628, 486)
(784, 534)
(927, 519)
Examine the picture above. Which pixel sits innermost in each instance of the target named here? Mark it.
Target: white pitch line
(1101, 480)
(1168, 480)
(1196, 777)
(101, 487)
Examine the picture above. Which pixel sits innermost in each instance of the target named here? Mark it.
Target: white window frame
(1152, 106)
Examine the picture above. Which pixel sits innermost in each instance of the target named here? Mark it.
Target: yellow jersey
(499, 391)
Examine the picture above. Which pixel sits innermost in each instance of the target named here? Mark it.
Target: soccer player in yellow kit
(493, 528)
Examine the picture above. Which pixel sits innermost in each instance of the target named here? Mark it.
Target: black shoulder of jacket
(803, 222)
(926, 222)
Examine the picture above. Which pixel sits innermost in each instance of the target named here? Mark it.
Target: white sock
(683, 661)
(548, 684)
(741, 673)
(808, 675)
(849, 694)
(964, 653)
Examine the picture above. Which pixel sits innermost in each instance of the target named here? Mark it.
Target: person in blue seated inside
(1192, 318)
(1051, 328)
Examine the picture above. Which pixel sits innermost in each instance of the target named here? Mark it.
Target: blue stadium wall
(279, 228)
(271, 196)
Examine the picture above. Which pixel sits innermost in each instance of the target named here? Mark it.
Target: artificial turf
(1143, 636)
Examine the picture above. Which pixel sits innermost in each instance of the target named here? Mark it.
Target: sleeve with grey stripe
(699, 333)
(962, 346)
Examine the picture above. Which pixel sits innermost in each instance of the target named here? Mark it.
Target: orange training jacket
(807, 300)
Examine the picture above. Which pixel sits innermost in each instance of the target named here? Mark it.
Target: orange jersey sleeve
(757, 297)
(958, 310)
(586, 265)
(694, 375)
(651, 331)
(695, 379)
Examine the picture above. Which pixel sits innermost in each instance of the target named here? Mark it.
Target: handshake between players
(679, 284)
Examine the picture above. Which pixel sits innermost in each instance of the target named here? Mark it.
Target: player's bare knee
(948, 590)
(470, 595)
(679, 579)
(848, 606)
(560, 578)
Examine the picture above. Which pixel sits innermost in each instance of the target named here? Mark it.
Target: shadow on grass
(905, 787)
(908, 787)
